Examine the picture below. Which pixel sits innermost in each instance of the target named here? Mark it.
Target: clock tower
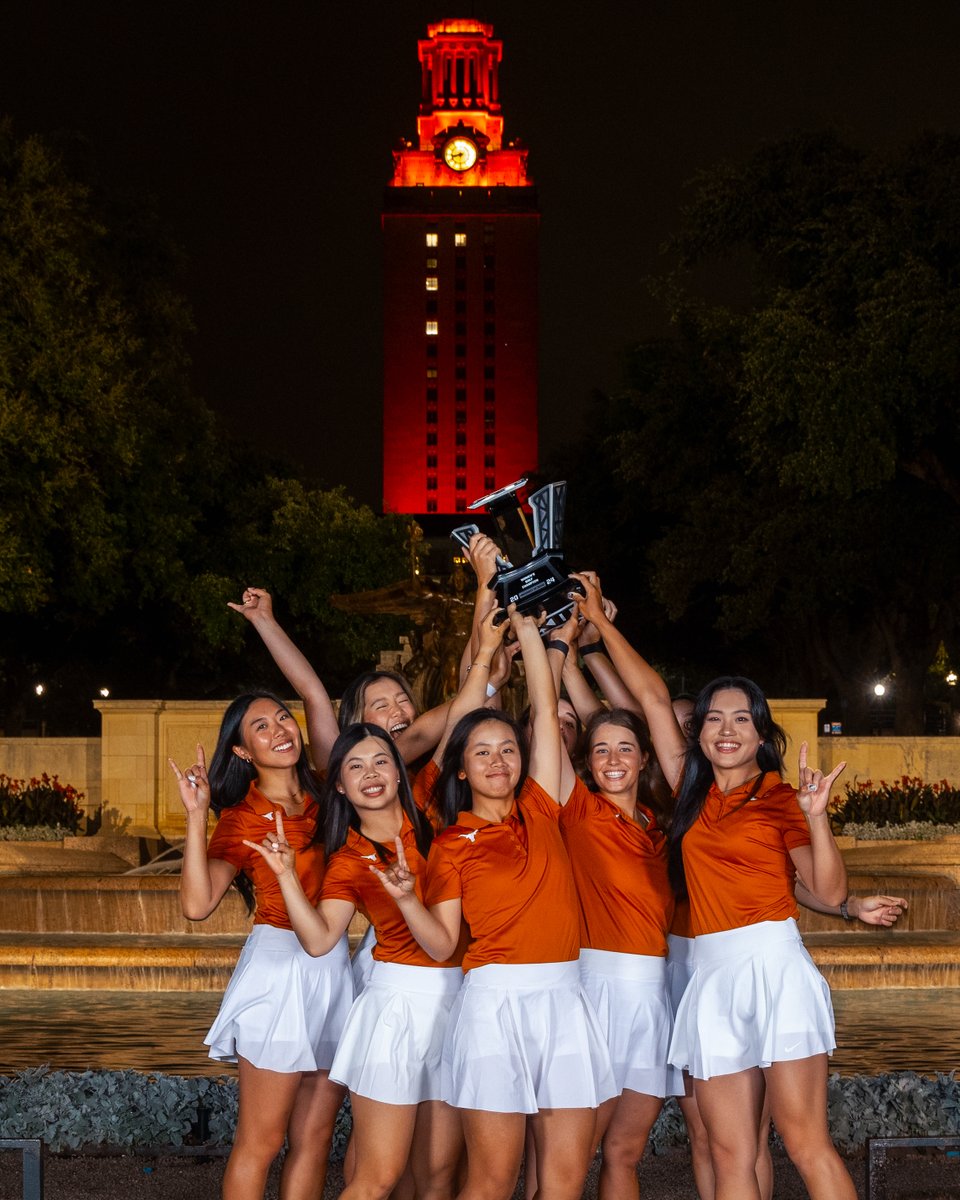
(460, 228)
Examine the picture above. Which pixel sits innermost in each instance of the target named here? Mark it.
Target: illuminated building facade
(460, 231)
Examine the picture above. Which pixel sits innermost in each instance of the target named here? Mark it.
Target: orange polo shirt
(680, 926)
(422, 787)
(348, 877)
(620, 872)
(736, 856)
(253, 818)
(514, 881)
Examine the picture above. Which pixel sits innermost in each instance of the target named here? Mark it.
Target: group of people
(572, 918)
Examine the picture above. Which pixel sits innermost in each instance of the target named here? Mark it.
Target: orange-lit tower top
(460, 127)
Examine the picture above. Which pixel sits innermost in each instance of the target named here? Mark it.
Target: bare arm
(642, 681)
(318, 929)
(582, 696)
(545, 741)
(473, 693)
(558, 657)
(820, 864)
(322, 728)
(871, 910)
(203, 881)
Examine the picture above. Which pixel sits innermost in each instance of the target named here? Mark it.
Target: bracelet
(593, 648)
(844, 911)
(556, 644)
(491, 691)
(486, 666)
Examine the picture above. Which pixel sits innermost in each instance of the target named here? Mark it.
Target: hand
(503, 663)
(523, 624)
(194, 784)
(590, 605)
(490, 635)
(397, 878)
(877, 910)
(813, 795)
(483, 553)
(256, 605)
(569, 631)
(280, 856)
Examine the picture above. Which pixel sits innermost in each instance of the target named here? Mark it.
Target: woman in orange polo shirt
(756, 1016)
(618, 851)
(283, 1011)
(522, 1039)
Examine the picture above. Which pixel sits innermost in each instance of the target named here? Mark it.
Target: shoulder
(535, 799)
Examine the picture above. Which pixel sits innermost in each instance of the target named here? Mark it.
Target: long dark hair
(698, 770)
(230, 775)
(339, 813)
(452, 793)
(354, 695)
(653, 791)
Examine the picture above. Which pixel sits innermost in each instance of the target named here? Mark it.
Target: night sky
(264, 130)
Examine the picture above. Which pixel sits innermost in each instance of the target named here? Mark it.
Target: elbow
(194, 911)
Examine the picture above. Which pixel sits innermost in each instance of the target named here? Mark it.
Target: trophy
(543, 583)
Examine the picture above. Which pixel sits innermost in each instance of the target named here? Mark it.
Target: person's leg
(494, 1150)
(624, 1142)
(764, 1161)
(566, 1143)
(309, 1134)
(529, 1165)
(699, 1144)
(730, 1107)
(266, 1102)
(798, 1104)
(435, 1153)
(383, 1134)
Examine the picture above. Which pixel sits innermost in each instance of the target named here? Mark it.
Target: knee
(261, 1146)
(623, 1149)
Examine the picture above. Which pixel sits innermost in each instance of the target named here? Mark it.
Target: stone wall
(74, 760)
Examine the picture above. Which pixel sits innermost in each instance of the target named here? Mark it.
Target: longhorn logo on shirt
(369, 857)
(469, 837)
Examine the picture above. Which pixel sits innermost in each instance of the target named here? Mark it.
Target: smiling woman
(283, 1011)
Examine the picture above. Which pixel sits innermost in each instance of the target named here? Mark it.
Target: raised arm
(641, 680)
(322, 729)
(203, 881)
(820, 865)
(545, 741)
(318, 929)
(473, 693)
(561, 649)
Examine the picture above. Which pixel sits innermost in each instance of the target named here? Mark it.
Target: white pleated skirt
(755, 998)
(522, 1038)
(391, 1045)
(283, 1010)
(361, 961)
(679, 967)
(629, 995)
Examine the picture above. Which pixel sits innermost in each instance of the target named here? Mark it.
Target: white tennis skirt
(679, 967)
(361, 961)
(755, 998)
(391, 1045)
(525, 1037)
(629, 995)
(283, 1010)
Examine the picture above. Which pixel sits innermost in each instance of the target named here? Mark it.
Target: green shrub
(43, 801)
(908, 800)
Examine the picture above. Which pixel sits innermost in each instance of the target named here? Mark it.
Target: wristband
(593, 648)
(485, 666)
(556, 644)
(491, 691)
(844, 911)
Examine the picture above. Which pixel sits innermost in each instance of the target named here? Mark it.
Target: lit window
(431, 329)
(431, 264)
(433, 239)
(431, 372)
(431, 283)
(459, 239)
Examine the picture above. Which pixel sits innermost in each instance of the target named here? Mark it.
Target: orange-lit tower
(460, 228)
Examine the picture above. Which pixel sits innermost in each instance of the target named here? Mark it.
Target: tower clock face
(460, 154)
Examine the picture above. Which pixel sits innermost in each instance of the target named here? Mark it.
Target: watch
(460, 153)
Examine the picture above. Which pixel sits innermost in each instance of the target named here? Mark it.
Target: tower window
(461, 483)
(489, 483)
(431, 483)
(433, 239)
(489, 461)
(461, 351)
(488, 394)
(431, 282)
(461, 504)
(432, 329)
(461, 329)
(460, 308)
(431, 462)
(488, 329)
(459, 239)
(431, 308)
(488, 262)
(431, 372)
(431, 437)
(431, 264)
(461, 462)
(489, 350)
(460, 437)
(460, 262)
(489, 284)
(431, 505)
(431, 349)
(489, 439)
(489, 373)
(431, 395)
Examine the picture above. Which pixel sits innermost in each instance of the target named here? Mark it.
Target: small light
(878, 689)
(39, 689)
(952, 678)
(104, 692)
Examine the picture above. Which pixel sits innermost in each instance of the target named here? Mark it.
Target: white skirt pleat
(629, 995)
(391, 1045)
(361, 961)
(755, 998)
(679, 967)
(283, 1010)
(525, 1037)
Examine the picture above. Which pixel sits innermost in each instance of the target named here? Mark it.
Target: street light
(879, 689)
(104, 692)
(40, 689)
